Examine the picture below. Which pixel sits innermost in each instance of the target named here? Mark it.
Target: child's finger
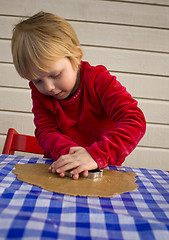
(62, 174)
(76, 176)
(85, 173)
(52, 169)
(79, 169)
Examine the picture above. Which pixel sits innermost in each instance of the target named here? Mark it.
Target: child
(85, 119)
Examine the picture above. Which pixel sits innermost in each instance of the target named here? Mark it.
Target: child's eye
(56, 76)
(37, 81)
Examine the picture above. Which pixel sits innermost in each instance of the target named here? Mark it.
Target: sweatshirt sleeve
(51, 139)
(130, 124)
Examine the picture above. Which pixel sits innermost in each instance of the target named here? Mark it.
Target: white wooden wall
(131, 38)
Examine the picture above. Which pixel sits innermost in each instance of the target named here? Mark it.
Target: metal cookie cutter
(92, 174)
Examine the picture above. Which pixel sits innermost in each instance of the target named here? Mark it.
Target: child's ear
(80, 52)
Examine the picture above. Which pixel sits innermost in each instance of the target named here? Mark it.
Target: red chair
(22, 143)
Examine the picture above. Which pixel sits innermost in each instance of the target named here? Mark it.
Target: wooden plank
(5, 49)
(21, 122)
(155, 111)
(148, 158)
(123, 60)
(128, 61)
(10, 78)
(156, 136)
(141, 86)
(114, 36)
(155, 2)
(114, 59)
(6, 26)
(12, 99)
(2, 141)
(101, 11)
(122, 36)
(145, 86)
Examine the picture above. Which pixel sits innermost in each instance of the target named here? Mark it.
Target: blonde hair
(41, 40)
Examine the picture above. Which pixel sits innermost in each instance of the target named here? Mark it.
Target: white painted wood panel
(151, 158)
(114, 35)
(5, 50)
(13, 99)
(156, 136)
(129, 61)
(2, 141)
(155, 111)
(143, 86)
(114, 59)
(10, 78)
(122, 36)
(89, 10)
(156, 2)
(7, 26)
(22, 122)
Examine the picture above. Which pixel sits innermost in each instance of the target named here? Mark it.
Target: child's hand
(78, 159)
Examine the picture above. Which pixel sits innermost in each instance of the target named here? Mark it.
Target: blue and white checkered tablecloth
(29, 212)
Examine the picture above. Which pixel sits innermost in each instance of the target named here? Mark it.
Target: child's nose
(49, 87)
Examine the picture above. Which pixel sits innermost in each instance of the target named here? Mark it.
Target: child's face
(59, 82)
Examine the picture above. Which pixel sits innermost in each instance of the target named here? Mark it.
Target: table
(29, 212)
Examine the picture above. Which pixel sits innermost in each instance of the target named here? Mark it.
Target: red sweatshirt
(101, 117)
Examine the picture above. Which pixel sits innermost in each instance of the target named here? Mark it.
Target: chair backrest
(22, 143)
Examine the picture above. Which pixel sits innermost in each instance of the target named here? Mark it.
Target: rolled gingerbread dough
(112, 182)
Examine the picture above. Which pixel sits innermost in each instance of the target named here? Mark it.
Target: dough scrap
(112, 183)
